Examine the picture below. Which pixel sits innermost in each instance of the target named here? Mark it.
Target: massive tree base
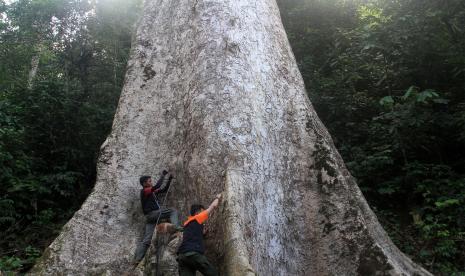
(214, 94)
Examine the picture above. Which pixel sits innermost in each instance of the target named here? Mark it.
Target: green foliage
(50, 133)
(9, 264)
(387, 79)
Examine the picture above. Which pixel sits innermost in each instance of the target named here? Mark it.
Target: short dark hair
(144, 179)
(195, 208)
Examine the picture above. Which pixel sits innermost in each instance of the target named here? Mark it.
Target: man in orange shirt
(191, 251)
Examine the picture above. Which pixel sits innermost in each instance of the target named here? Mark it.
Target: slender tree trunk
(213, 93)
(35, 60)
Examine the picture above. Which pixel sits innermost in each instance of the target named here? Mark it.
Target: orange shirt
(200, 218)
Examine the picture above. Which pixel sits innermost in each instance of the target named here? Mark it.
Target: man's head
(196, 208)
(145, 181)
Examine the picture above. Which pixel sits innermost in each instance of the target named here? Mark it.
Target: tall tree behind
(213, 92)
(51, 131)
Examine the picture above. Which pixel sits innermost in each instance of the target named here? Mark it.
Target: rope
(156, 223)
(164, 201)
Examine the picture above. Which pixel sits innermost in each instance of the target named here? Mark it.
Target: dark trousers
(150, 224)
(190, 262)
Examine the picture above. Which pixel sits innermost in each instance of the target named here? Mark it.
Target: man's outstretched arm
(160, 180)
(203, 216)
(167, 186)
(214, 203)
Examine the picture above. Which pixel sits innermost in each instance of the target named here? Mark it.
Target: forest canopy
(386, 77)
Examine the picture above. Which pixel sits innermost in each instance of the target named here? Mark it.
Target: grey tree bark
(213, 93)
(34, 66)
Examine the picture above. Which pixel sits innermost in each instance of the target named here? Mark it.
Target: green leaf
(386, 101)
(427, 94)
(446, 203)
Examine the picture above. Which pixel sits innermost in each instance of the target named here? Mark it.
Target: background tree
(51, 130)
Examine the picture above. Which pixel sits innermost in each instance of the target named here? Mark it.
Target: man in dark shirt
(191, 251)
(153, 211)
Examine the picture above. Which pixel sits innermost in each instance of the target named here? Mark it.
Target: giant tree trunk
(214, 94)
(35, 60)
